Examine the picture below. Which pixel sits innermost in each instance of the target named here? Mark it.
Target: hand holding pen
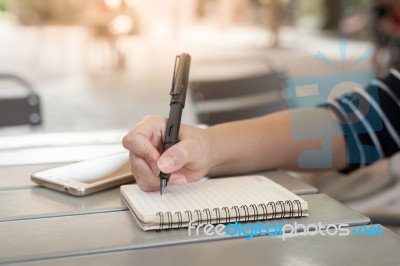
(188, 160)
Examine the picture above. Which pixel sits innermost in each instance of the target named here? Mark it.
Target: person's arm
(237, 147)
(269, 142)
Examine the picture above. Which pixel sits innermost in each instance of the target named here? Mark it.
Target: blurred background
(104, 64)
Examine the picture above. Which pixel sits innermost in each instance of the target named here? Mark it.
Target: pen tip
(163, 184)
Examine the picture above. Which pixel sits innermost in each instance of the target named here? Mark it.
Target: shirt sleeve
(369, 120)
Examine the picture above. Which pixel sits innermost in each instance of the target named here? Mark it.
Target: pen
(178, 96)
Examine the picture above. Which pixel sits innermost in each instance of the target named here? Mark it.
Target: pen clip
(174, 91)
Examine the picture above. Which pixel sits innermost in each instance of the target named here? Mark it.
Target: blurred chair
(223, 99)
(22, 109)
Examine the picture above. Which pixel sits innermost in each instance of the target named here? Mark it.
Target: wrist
(216, 151)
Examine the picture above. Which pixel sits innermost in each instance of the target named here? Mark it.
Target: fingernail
(179, 181)
(165, 163)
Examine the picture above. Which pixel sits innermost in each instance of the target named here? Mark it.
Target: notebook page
(209, 194)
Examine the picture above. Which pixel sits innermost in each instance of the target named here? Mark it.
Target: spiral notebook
(214, 201)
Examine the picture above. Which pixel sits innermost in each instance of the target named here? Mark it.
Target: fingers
(142, 148)
(144, 142)
(187, 160)
(144, 175)
(177, 179)
(145, 139)
(175, 158)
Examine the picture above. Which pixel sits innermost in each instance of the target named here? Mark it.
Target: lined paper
(210, 194)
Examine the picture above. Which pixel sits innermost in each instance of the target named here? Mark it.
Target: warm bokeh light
(121, 24)
(113, 3)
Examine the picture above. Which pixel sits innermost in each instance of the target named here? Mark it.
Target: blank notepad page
(213, 201)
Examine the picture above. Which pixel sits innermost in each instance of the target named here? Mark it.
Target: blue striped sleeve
(368, 120)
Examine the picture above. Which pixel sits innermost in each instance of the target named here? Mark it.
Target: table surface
(39, 226)
(298, 250)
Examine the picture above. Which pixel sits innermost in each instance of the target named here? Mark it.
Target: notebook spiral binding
(253, 212)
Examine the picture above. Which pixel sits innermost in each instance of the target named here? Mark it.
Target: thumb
(174, 158)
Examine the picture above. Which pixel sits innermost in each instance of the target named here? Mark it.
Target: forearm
(269, 142)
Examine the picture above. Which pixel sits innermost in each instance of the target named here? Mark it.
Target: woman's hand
(188, 160)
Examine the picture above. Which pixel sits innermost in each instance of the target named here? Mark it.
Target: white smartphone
(89, 176)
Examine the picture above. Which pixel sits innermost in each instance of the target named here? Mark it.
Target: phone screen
(92, 171)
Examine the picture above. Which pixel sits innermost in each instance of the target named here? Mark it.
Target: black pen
(178, 96)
